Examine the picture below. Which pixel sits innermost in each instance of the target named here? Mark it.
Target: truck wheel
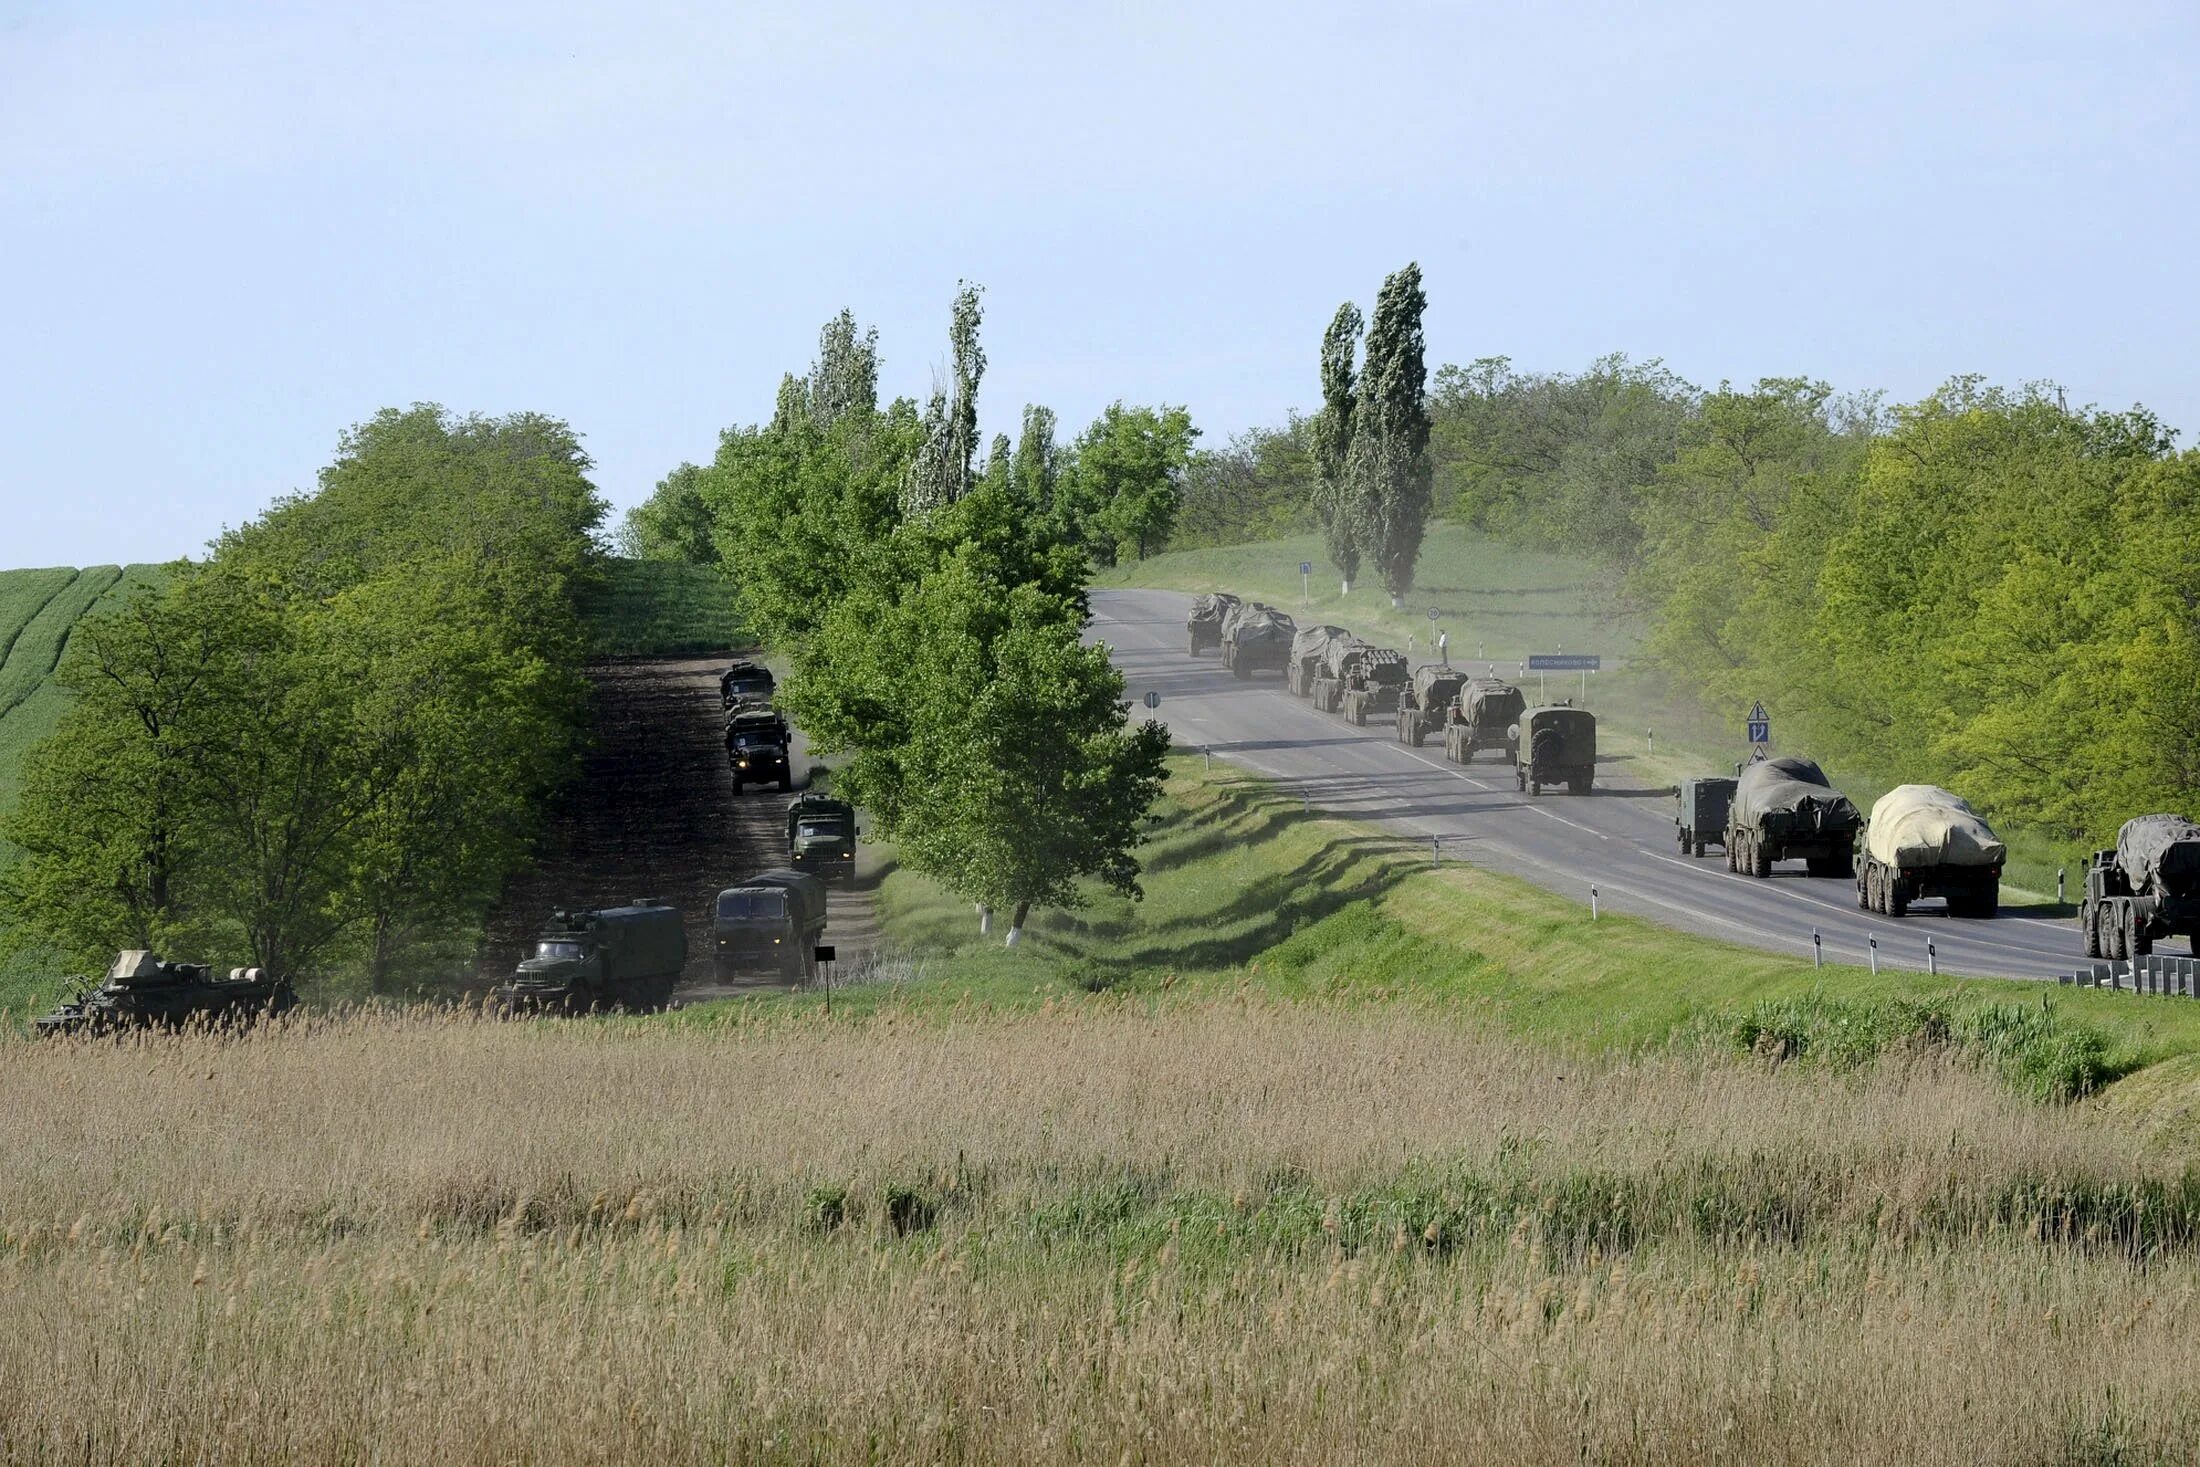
(1414, 736)
(1520, 777)
(1898, 896)
(737, 784)
(1864, 890)
(1760, 857)
(1699, 849)
(2112, 933)
(1732, 864)
(2089, 922)
(1578, 785)
(2137, 944)
(1680, 831)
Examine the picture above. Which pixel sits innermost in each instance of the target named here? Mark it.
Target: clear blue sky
(227, 231)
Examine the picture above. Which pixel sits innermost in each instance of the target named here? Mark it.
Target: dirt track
(654, 815)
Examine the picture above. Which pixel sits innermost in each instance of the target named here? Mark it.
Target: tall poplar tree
(1333, 429)
(1387, 473)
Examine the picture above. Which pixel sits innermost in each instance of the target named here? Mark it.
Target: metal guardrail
(2168, 977)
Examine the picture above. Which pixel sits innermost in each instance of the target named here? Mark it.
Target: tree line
(930, 603)
(325, 745)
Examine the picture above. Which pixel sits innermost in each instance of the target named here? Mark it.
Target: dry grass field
(1150, 1230)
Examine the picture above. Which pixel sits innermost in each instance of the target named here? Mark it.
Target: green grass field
(655, 608)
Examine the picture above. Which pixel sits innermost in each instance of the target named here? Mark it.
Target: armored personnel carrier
(142, 992)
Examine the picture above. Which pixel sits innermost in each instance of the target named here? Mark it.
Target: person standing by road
(1443, 648)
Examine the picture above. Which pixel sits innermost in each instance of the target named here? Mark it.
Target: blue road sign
(1564, 662)
(1153, 700)
(1760, 731)
(1306, 567)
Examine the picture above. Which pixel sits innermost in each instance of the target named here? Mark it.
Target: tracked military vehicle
(1373, 685)
(774, 920)
(1425, 703)
(617, 958)
(1923, 841)
(1786, 809)
(746, 681)
(1256, 638)
(1557, 745)
(1307, 646)
(2145, 889)
(1204, 626)
(141, 991)
(821, 837)
(1483, 715)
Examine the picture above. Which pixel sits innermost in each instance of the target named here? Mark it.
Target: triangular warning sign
(1757, 712)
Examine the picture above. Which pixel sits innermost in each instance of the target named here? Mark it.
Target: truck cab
(745, 680)
(771, 921)
(756, 750)
(821, 837)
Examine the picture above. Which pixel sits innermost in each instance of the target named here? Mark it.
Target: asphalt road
(1619, 839)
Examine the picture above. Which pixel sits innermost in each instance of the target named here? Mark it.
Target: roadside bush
(2045, 1056)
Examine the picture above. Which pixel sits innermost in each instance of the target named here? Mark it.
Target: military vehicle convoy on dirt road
(1786, 809)
(1484, 714)
(2146, 888)
(141, 991)
(626, 957)
(1923, 841)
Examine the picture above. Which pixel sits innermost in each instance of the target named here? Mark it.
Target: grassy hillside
(658, 608)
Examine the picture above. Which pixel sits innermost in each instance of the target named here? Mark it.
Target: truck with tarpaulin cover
(1333, 671)
(1485, 714)
(1786, 809)
(1923, 841)
(821, 836)
(1256, 638)
(772, 921)
(142, 991)
(1556, 745)
(2146, 888)
(1425, 702)
(1307, 646)
(1204, 625)
(626, 957)
(1372, 685)
(1699, 818)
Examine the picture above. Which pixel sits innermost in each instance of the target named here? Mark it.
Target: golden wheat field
(1225, 1229)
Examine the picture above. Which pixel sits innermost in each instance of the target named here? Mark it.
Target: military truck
(614, 958)
(821, 837)
(1924, 841)
(1484, 715)
(1333, 669)
(1373, 685)
(756, 749)
(141, 991)
(2145, 889)
(1256, 638)
(1786, 809)
(1555, 745)
(774, 920)
(1700, 819)
(745, 680)
(1307, 646)
(1426, 702)
(1204, 625)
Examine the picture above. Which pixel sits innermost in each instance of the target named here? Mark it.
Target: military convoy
(142, 991)
(1786, 809)
(1425, 703)
(1373, 687)
(2145, 888)
(1256, 638)
(1555, 745)
(1308, 645)
(1484, 714)
(614, 958)
(1204, 625)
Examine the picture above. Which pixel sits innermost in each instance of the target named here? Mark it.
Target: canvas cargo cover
(1435, 685)
(1921, 825)
(805, 894)
(1212, 607)
(1792, 787)
(1251, 623)
(134, 965)
(2160, 855)
(1314, 641)
(1486, 703)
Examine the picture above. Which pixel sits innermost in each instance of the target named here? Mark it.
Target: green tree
(674, 523)
(1332, 442)
(1387, 472)
(940, 473)
(1130, 465)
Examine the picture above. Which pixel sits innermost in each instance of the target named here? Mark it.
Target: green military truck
(1256, 638)
(1484, 714)
(746, 682)
(756, 749)
(821, 837)
(1556, 745)
(773, 921)
(1333, 670)
(1924, 841)
(1700, 819)
(1307, 647)
(1373, 686)
(626, 957)
(1786, 809)
(142, 991)
(1426, 702)
(1204, 626)
(2145, 889)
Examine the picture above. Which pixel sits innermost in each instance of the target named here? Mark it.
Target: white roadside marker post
(1817, 949)
(1874, 942)
(1932, 958)
(1592, 904)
